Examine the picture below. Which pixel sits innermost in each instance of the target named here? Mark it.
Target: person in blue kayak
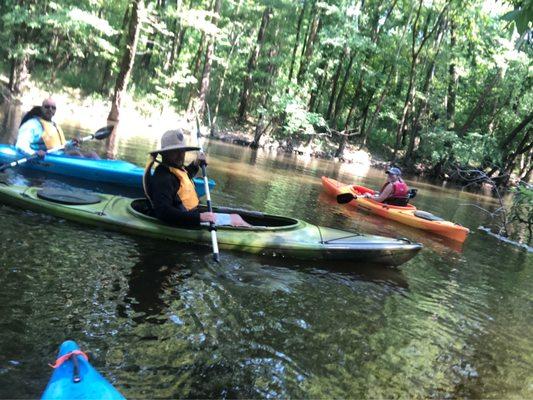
(170, 189)
(394, 192)
(39, 133)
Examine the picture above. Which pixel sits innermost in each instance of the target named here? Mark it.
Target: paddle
(100, 134)
(212, 226)
(344, 198)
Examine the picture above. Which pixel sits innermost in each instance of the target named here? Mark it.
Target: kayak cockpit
(259, 220)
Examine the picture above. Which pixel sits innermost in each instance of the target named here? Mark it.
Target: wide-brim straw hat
(173, 140)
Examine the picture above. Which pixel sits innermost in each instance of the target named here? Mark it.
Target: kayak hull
(108, 171)
(91, 386)
(403, 215)
(271, 235)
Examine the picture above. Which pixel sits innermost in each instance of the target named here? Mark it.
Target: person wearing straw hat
(170, 189)
(394, 192)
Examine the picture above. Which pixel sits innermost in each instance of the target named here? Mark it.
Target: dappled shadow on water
(162, 320)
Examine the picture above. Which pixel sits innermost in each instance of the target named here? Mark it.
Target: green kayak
(271, 235)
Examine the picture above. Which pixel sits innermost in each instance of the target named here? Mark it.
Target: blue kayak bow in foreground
(75, 378)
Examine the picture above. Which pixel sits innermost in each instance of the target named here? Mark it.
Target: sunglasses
(49, 107)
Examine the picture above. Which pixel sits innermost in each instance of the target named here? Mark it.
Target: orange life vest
(186, 192)
(53, 135)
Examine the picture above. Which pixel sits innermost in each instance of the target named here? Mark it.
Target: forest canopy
(433, 85)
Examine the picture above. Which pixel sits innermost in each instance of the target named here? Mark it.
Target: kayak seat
(69, 197)
(257, 219)
(396, 201)
(427, 215)
(402, 201)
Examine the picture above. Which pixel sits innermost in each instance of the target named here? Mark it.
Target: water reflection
(163, 321)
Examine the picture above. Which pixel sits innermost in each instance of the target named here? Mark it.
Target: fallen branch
(529, 249)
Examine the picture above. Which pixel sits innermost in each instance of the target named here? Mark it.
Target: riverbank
(138, 118)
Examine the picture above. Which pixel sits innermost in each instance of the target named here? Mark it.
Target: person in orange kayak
(170, 189)
(394, 192)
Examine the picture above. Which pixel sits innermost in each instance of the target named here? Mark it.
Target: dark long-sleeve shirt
(167, 206)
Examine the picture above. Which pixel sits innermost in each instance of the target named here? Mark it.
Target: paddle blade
(344, 198)
(103, 133)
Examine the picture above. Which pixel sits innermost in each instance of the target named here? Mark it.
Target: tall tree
(297, 40)
(205, 82)
(312, 37)
(252, 63)
(419, 40)
(128, 57)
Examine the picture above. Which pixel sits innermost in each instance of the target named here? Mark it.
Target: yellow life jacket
(53, 135)
(186, 192)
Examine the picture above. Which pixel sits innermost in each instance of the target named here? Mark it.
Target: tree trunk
(421, 110)
(525, 146)
(258, 132)
(234, 39)
(423, 104)
(517, 130)
(393, 69)
(317, 90)
(309, 47)
(18, 74)
(195, 67)
(181, 40)
(223, 79)
(252, 63)
(297, 41)
(355, 98)
(205, 83)
(452, 82)
(340, 96)
(415, 53)
(126, 66)
(106, 76)
(479, 104)
(178, 36)
(335, 82)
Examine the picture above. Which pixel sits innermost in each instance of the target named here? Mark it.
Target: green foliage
(294, 118)
(50, 31)
(444, 147)
(358, 66)
(522, 15)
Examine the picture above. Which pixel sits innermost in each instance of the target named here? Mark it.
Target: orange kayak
(408, 215)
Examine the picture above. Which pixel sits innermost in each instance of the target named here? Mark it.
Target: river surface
(162, 320)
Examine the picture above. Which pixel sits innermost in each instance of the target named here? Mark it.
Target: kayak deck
(99, 170)
(271, 235)
(408, 215)
(76, 378)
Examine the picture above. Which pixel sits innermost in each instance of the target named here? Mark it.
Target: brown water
(161, 320)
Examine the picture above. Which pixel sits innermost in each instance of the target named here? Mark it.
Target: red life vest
(399, 190)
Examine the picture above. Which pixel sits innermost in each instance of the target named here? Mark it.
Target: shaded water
(161, 320)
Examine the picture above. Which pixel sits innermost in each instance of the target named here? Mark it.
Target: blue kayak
(75, 378)
(109, 171)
